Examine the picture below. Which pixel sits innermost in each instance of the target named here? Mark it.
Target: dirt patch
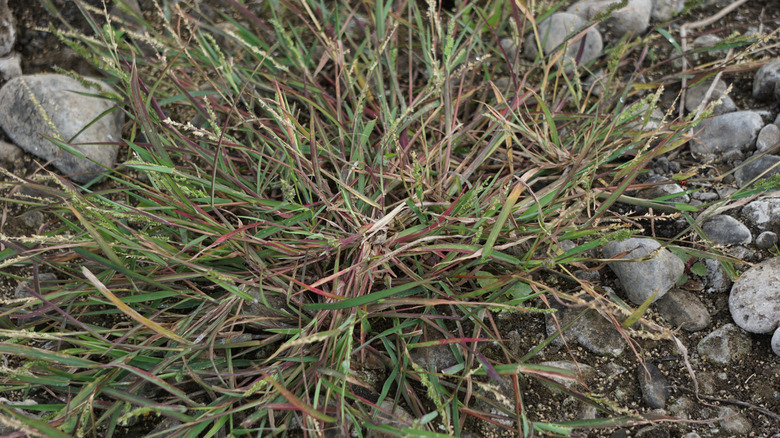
(749, 385)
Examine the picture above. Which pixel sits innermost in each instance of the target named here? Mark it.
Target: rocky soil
(716, 374)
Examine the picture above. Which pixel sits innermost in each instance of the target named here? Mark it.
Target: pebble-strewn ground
(728, 329)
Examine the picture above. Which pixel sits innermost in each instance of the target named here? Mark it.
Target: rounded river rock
(755, 298)
(49, 105)
(641, 278)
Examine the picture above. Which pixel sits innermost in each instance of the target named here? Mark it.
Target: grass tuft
(322, 217)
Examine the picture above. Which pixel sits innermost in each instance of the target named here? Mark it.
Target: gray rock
(725, 345)
(594, 83)
(589, 276)
(725, 230)
(10, 154)
(766, 240)
(656, 431)
(683, 309)
(719, 134)
(768, 137)
(691, 435)
(582, 372)
(267, 304)
(666, 9)
(763, 166)
(765, 79)
(754, 301)
(682, 407)
(695, 97)
(7, 30)
(394, 415)
(501, 393)
(33, 219)
(741, 252)
(663, 190)
(705, 41)
(510, 46)
(777, 90)
(662, 166)
(655, 387)
(717, 2)
(647, 124)
(766, 115)
(553, 32)
(776, 342)
(631, 19)
(701, 51)
(436, 357)
(592, 331)
(28, 103)
(731, 157)
(763, 213)
(640, 279)
(11, 66)
(23, 289)
(733, 422)
(705, 196)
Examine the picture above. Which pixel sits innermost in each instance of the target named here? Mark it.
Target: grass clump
(323, 216)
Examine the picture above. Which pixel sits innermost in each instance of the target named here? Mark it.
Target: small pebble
(11, 66)
(655, 387)
(765, 79)
(768, 137)
(766, 240)
(733, 422)
(725, 345)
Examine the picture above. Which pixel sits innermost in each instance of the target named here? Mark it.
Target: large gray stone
(631, 19)
(595, 333)
(553, 31)
(30, 105)
(763, 214)
(640, 279)
(725, 230)
(684, 310)
(754, 301)
(696, 94)
(720, 134)
(762, 166)
(765, 79)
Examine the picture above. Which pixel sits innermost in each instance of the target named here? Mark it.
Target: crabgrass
(322, 215)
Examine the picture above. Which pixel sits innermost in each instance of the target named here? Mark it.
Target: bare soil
(751, 386)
